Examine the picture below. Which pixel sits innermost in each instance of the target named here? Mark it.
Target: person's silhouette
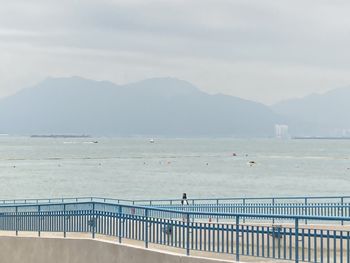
(184, 200)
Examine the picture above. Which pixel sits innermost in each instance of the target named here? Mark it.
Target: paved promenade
(215, 257)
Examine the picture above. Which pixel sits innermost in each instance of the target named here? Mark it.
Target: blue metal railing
(182, 229)
(64, 200)
(214, 201)
(243, 200)
(313, 206)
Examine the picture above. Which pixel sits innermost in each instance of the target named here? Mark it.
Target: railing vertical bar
(328, 248)
(64, 221)
(263, 241)
(342, 209)
(341, 247)
(305, 208)
(16, 221)
(321, 246)
(284, 243)
(188, 234)
(93, 220)
(258, 241)
(237, 238)
(39, 220)
(315, 245)
(348, 247)
(334, 246)
(119, 220)
(146, 228)
(302, 244)
(296, 237)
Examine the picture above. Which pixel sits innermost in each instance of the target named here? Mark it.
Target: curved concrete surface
(75, 250)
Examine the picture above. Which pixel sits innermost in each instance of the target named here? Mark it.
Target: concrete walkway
(140, 244)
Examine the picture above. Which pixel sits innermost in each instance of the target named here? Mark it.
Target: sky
(263, 50)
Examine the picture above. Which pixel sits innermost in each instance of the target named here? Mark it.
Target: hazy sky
(265, 50)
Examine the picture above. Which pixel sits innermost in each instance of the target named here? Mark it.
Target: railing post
(244, 209)
(193, 216)
(188, 235)
(64, 221)
(306, 210)
(92, 222)
(39, 221)
(273, 209)
(119, 224)
(146, 228)
(217, 210)
(16, 222)
(342, 209)
(237, 238)
(296, 230)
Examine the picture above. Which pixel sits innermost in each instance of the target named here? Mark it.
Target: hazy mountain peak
(158, 106)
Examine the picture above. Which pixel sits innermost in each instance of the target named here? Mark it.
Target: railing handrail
(168, 207)
(62, 199)
(4, 201)
(193, 213)
(245, 198)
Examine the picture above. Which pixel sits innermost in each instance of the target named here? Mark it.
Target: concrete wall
(59, 250)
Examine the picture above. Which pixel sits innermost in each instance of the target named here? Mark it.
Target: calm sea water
(136, 168)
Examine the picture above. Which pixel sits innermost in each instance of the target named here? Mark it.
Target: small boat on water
(151, 140)
(251, 163)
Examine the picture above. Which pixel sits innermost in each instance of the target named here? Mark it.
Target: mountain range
(162, 107)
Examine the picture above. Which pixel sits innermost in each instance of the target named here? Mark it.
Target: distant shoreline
(59, 136)
(320, 138)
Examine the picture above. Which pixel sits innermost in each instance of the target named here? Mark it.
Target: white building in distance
(281, 131)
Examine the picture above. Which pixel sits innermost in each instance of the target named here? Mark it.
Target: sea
(137, 168)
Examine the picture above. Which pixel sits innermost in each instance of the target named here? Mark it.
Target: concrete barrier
(74, 250)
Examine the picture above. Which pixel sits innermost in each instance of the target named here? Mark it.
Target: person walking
(184, 202)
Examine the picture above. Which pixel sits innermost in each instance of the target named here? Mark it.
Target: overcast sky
(264, 50)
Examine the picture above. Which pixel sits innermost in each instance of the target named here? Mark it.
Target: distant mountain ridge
(164, 107)
(153, 107)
